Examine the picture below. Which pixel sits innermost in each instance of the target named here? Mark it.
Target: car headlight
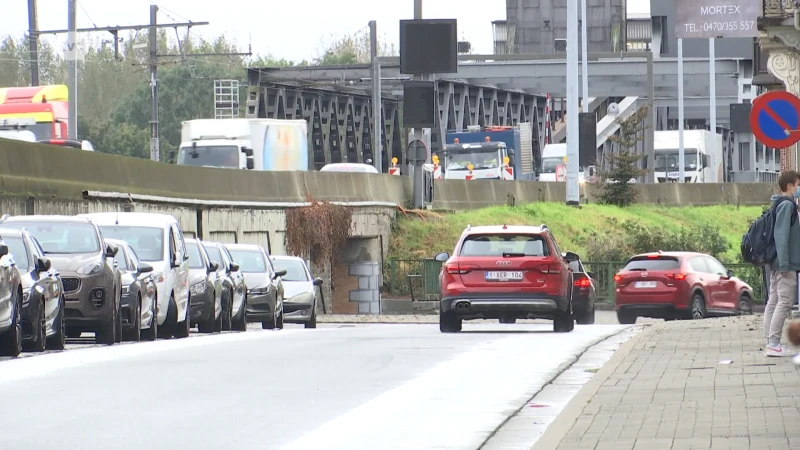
(198, 288)
(89, 269)
(126, 290)
(260, 290)
(158, 277)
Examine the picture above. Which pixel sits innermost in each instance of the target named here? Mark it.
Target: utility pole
(72, 68)
(377, 122)
(573, 154)
(418, 179)
(154, 150)
(33, 41)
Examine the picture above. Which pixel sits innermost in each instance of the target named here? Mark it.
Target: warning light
(394, 160)
(506, 160)
(470, 167)
(435, 159)
(565, 159)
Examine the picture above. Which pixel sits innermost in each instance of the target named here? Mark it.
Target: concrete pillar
(784, 64)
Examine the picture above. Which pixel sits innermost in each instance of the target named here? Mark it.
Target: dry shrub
(318, 232)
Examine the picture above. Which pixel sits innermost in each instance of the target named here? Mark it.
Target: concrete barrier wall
(461, 194)
(50, 171)
(47, 171)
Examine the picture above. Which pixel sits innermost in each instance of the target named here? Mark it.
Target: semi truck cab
(478, 161)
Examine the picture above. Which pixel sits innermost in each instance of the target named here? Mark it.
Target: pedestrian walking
(783, 270)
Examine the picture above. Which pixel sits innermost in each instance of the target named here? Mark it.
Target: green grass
(416, 238)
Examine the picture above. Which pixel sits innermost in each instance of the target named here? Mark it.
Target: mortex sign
(716, 18)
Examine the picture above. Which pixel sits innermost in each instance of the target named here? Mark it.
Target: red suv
(507, 273)
(672, 285)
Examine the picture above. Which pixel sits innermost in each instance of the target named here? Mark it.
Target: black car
(42, 293)
(584, 293)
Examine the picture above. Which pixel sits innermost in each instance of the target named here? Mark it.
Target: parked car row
(131, 276)
(519, 272)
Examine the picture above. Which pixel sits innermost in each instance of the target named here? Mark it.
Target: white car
(158, 240)
(299, 290)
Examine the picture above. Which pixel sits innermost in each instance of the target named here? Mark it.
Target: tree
(351, 49)
(624, 164)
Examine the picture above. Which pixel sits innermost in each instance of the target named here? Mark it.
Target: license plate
(645, 284)
(673, 174)
(504, 276)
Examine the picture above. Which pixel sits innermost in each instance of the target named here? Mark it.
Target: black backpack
(758, 244)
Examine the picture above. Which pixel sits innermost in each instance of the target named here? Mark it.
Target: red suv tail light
(584, 283)
(551, 269)
(677, 276)
(617, 278)
(459, 269)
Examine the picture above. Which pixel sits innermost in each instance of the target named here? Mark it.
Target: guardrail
(418, 279)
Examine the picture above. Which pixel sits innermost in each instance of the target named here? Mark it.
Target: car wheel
(37, 342)
(227, 320)
(118, 332)
(279, 321)
(626, 318)
(107, 335)
(210, 325)
(745, 304)
(563, 322)
(184, 327)
(135, 333)
(171, 323)
(312, 322)
(449, 322)
(59, 338)
(240, 323)
(218, 321)
(585, 317)
(11, 341)
(698, 307)
(151, 333)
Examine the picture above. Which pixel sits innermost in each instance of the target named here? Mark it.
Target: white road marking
(23, 368)
(459, 403)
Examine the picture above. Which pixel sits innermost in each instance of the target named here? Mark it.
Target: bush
(634, 238)
(318, 232)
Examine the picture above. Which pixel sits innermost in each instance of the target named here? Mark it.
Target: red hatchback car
(678, 285)
(506, 273)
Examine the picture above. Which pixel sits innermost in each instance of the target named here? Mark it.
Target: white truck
(16, 129)
(698, 148)
(554, 164)
(252, 144)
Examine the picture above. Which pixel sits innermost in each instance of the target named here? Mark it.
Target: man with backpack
(784, 267)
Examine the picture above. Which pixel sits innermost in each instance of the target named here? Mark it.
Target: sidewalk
(669, 388)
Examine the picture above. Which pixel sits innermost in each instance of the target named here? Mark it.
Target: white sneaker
(780, 350)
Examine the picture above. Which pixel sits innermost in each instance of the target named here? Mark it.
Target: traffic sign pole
(712, 93)
(681, 150)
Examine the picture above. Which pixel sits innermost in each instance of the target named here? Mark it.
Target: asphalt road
(336, 387)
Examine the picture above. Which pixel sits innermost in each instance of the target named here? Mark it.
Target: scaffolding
(226, 99)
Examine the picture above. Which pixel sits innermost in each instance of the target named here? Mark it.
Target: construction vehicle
(518, 148)
(47, 106)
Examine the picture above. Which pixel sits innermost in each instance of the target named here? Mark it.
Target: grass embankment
(416, 238)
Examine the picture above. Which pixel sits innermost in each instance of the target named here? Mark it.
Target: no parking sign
(775, 119)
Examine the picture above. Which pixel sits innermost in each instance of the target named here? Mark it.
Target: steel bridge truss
(339, 115)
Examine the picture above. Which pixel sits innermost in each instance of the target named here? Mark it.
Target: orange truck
(47, 105)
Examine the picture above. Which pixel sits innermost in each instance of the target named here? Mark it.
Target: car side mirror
(442, 257)
(279, 273)
(3, 250)
(111, 250)
(317, 281)
(248, 152)
(591, 275)
(250, 164)
(571, 257)
(43, 264)
(145, 268)
(213, 267)
(234, 267)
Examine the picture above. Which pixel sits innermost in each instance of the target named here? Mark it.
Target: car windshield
(122, 262)
(479, 160)
(295, 270)
(498, 245)
(214, 254)
(195, 260)
(549, 165)
(16, 247)
(224, 156)
(249, 260)
(148, 242)
(668, 161)
(645, 264)
(63, 237)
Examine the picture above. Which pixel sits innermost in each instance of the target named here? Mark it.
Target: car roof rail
(544, 227)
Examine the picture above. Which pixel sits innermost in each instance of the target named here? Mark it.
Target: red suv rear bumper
(497, 306)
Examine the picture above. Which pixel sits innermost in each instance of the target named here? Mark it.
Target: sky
(277, 30)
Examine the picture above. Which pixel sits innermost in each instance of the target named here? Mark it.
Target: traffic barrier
(53, 171)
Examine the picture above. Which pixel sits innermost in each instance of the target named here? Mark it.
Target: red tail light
(677, 276)
(456, 269)
(551, 269)
(583, 282)
(617, 278)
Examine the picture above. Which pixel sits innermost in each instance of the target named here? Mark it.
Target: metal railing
(779, 8)
(418, 279)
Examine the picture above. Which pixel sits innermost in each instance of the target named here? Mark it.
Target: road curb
(559, 428)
